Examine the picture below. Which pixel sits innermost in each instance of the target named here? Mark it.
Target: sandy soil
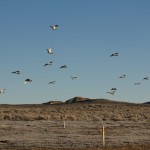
(41, 127)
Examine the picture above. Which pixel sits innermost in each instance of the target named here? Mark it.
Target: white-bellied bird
(54, 27)
(2, 91)
(27, 81)
(49, 50)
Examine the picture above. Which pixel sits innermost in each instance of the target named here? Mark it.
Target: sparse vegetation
(41, 127)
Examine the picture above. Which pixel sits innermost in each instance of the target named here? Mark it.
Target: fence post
(64, 124)
(63, 119)
(103, 135)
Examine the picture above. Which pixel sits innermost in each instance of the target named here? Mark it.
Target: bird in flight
(2, 91)
(52, 82)
(49, 50)
(122, 77)
(73, 77)
(137, 83)
(54, 27)
(64, 66)
(114, 54)
(146, 78)
(27, 81)
(113, 89)
(49, 63)
(16, 72)
(111, 92)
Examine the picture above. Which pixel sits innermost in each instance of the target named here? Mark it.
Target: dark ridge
(146, 103)
(77, 100)
(53, 102)
(88, 100)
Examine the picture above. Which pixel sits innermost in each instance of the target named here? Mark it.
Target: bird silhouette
(114, 54)
(54, 27)
(52, 82)
(122, 77)
(137, 83)
(73, 77)
(49, 63)
(113, 89)
(2, 91)
(27, 81)
(111, 92)
(16, 72)
(64, 66)
(49, 50)
(146, 78)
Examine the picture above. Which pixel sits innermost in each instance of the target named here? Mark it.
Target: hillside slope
(77, 109)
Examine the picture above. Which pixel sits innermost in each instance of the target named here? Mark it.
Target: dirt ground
(41, 127)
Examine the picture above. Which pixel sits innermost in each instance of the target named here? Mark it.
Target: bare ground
(41, 127)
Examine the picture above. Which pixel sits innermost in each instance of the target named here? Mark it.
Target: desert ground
(75, 125)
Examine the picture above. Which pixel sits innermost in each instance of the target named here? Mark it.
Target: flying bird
(2, 91)
(49, 50)
(111, 92)
(54, 27)
(73, 77)
(64, 66)
(114, 54)
(137, 83)
(16, 72)
(27, 81)
(122, 77)
(52, 82)
(113, 89)
(49, 63)
(146, 78)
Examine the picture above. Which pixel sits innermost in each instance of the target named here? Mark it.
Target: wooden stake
(103, 135)
(64, 125)
(63, 119)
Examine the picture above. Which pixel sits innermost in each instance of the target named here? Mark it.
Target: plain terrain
(41, 126)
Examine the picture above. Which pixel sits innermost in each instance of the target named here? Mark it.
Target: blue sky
(89, 32)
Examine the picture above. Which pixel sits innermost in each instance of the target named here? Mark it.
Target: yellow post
(103, 135)
(64, 125)
(63, 119)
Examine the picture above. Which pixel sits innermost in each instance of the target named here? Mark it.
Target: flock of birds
(49, 51)
(112, 91)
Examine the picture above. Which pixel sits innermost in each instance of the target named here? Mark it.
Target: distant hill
(78, 99)
(146, 103)
(53, 102)
(77, 109)
(82, 100)
(88, 100)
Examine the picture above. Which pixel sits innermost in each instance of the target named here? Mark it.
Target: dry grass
(77, 111)
(40, 127)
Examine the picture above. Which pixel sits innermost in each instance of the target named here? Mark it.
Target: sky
(89, 32)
